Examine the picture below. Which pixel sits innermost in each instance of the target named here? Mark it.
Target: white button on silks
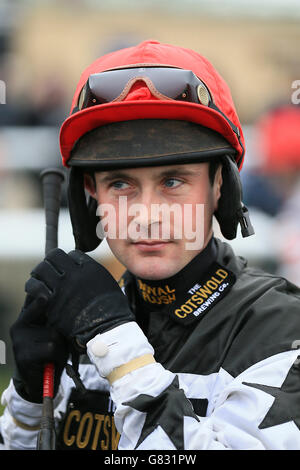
(99, 349)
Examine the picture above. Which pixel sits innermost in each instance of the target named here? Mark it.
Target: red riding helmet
(148, 105)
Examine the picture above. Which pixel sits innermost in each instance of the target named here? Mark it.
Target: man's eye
(119, 185)
(172, 182)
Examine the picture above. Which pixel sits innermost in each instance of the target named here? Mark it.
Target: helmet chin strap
(82, 213)
(231, 211)
(245, 222)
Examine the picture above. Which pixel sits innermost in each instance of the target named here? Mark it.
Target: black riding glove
(82, 297)
(34, 345)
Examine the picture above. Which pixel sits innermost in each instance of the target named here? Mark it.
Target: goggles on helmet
(166, 83)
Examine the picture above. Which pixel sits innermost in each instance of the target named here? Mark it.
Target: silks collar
(189, 293)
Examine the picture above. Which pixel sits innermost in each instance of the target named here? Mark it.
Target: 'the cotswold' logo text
(203, 296)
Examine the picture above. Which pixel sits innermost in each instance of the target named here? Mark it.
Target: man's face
(160, 217)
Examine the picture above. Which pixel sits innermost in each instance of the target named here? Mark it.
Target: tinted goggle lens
(169, 83)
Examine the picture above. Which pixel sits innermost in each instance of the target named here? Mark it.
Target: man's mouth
(150, 242)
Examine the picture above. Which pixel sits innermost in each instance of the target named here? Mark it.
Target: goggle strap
(233, 127)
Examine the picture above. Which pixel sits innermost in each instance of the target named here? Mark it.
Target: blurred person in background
(274, 186)
(30, 102)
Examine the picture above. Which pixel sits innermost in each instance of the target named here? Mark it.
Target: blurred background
(44, 47)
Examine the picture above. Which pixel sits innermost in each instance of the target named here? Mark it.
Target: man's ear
(90, 185)
(217, 186)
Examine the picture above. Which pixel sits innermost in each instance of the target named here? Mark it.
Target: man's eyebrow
(169, 172)
(176, 172)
